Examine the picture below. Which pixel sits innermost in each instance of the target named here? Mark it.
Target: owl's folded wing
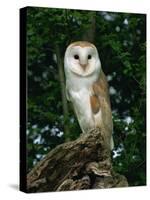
(100, 95)
(100, 103)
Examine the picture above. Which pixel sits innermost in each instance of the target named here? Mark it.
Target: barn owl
(87, 88)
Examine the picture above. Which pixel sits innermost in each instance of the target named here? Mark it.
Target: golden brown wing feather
(100, 88)
(95, 103)
(100, 100)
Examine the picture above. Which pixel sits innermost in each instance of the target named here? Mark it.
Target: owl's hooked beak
(83, 66)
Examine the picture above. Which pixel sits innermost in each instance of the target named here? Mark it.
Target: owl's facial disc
(82, 60)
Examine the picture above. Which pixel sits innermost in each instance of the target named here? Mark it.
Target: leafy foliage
(121, 42)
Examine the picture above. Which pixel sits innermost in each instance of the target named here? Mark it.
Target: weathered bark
(81, 164)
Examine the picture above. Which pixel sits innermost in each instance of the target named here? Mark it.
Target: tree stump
(81, 164)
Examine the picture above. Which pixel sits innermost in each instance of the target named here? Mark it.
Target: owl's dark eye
(76, 57)
(89, 57)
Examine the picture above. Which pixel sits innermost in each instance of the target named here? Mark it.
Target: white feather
(81, 103)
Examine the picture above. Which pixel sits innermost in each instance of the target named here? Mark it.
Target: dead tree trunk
(90, 32)
(63, 88)
(81, 164)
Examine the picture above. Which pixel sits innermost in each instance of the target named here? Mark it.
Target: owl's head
(81, 58)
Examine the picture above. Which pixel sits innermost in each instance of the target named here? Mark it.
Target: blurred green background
(121, 42)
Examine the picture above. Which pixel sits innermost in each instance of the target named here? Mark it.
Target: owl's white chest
(79, 89)
(81, 103)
